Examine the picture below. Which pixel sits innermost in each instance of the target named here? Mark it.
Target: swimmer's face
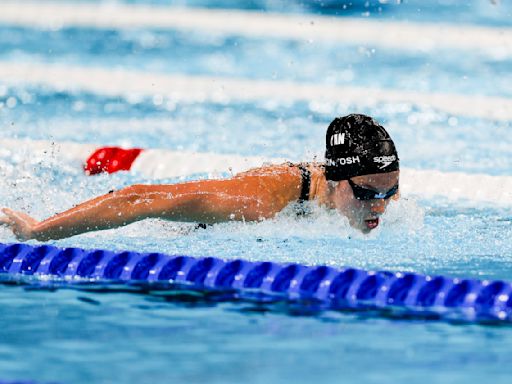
(364, 214)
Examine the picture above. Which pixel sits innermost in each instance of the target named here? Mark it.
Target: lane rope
(323, 286)
(200, 88)
(494, 41)
(158, 164)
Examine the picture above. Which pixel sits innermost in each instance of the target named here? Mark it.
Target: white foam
(119, 82)
(311, 28)
(156, 164)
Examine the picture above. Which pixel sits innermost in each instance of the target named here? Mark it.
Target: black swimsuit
(306, 183)
(305, 173)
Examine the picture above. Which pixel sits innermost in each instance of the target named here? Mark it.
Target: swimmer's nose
(378, 206)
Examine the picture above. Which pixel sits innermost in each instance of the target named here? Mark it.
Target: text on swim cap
(343, 161)
(338, 139)
(384, 160)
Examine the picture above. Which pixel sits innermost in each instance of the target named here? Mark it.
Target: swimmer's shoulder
(278, 184)
(282, 169)
(267, 170)
(285, 180)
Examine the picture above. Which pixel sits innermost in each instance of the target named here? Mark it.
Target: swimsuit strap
(306, 182)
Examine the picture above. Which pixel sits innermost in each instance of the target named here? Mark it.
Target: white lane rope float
(496, 41)
(200, 88)
(163, 164)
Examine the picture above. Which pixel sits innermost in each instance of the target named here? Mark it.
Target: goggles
(361, 193)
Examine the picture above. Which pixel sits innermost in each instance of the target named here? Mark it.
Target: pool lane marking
(119, 82)
(165, 164)
(496, 41)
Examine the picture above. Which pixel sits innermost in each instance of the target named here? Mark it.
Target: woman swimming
(360, 175)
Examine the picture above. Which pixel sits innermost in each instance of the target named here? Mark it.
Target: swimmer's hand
(22, 225)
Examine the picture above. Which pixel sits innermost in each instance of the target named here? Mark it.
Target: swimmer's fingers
(17, 216)
(20, 223)
(4, 219)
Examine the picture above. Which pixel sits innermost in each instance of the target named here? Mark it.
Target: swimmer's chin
(365, 231)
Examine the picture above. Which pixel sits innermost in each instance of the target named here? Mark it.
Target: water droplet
(11, 102)
(453, 121)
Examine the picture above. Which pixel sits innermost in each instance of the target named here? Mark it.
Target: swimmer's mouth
(372, 223)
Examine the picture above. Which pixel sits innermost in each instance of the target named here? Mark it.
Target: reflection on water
(139, 333)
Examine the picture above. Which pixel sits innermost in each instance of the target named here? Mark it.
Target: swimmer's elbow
(140, 201)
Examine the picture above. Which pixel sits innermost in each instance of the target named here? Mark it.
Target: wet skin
(254, 195)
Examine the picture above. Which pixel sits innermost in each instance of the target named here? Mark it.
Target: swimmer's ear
(396, 196)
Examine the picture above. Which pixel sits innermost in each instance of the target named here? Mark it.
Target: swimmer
(359, 177)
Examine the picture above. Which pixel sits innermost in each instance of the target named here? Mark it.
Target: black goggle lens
(361, 193)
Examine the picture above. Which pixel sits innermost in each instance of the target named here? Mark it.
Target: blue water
(84, 336)
(171, 51)
(481, 12)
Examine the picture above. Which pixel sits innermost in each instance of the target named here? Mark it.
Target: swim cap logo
(338, 139)
(384, 160)
(343, 161)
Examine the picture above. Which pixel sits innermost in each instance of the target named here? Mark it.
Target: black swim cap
(357, 145)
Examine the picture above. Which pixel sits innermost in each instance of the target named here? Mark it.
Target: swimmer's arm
(209, 201)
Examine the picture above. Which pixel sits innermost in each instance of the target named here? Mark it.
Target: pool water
(113, 335)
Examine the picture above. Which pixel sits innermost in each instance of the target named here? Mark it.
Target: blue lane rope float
(327, 287)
